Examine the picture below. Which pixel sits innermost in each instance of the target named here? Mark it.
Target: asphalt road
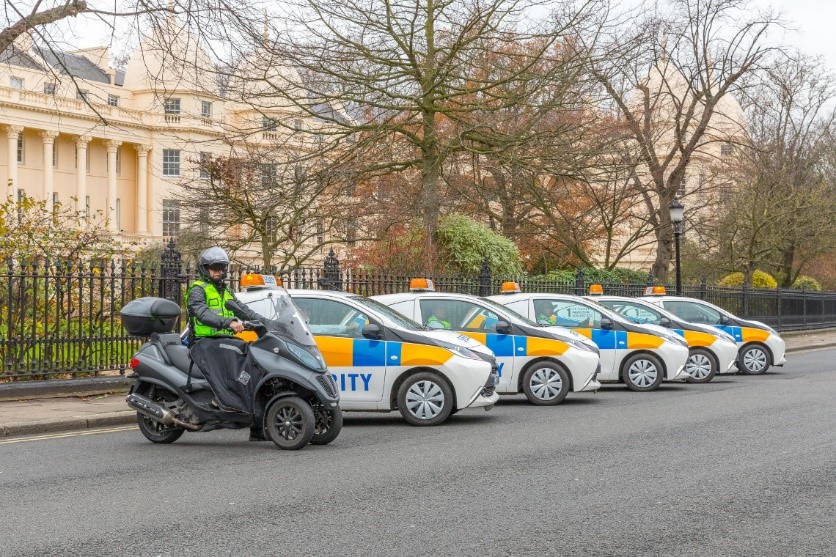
(741, 466)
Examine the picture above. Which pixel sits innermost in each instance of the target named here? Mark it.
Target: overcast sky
(814, 23)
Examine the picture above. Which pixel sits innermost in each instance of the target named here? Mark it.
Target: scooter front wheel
(290, 423)
(328, 424)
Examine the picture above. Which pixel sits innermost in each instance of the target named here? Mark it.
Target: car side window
(572, 314)
(693, 312)
(332, 318)
(457, 315)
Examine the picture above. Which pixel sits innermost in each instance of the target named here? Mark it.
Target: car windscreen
(388, 313)
(514, 317)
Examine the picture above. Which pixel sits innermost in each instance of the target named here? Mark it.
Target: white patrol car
(759, 345)
(639, 357)
(381, 361)
(543, 363)
(710, 351)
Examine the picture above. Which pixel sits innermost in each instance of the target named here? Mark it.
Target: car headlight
(770, 329)
(580, 345)
(673, 338)
(726, 336)
(459, 350)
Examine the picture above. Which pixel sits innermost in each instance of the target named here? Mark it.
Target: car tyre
(425, 399)
(545, 384)
(642, 372)
(701, 366)
(754, 359)
(290, 423)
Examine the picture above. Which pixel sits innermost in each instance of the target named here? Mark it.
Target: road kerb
(74, 423)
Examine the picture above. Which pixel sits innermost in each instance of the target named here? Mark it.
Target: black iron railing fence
(62, 320)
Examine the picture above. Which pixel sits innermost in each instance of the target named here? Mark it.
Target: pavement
(66, 409)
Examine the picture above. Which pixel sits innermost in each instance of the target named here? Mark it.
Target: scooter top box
(145, 316)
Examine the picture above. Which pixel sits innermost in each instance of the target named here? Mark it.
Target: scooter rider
(220, 356)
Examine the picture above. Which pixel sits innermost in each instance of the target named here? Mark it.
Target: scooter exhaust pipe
(151, 409)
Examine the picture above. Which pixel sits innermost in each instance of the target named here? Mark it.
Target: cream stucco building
(74, 130)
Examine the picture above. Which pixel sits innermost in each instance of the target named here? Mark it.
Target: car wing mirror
(503, 327)
(606, 323)
(372, 331)
(665, 322)
(724, 320)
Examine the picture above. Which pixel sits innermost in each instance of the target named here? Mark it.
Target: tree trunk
(664, 241)
(430, 172)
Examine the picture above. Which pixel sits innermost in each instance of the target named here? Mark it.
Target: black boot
(257, 434)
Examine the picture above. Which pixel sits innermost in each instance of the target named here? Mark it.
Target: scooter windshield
(282, 317)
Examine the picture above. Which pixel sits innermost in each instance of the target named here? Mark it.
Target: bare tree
(785, 213)
(399, 72)
(669, 76)
(273, 197)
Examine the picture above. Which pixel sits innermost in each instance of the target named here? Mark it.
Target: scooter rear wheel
(152, 430)
(290, 423)
(328, 424)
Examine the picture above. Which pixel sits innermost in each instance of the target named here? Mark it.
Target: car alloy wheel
(546, 383)
(424, 400)
(755, 360)
(700, 366)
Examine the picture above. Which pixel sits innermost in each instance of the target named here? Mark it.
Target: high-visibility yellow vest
(216, 303)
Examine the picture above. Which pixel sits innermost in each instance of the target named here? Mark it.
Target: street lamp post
(677, 214)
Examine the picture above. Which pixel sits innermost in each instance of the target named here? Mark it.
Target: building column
(112, 147)
(48, 137)
(81, 175)
(12, 132)
(142, 188)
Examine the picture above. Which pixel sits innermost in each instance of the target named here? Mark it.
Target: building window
(205, 160)
(82, 95)
(269, 124)
(113, 100)
(119, 161)
(272, 229)
(21, 195)
(726, 150)
(87, 206)
(16, 82)
(680, 191)
(49, 88)
(206, 109)
(297, 124)
(118, 212)
(87, 159)
(54, 153)
(171, 162)
(55, 200)
(21, 153)
(268, 175)
(351, 231)
(172, 110)
(726, 193)
(320, 236)
(171, 217)
(172, 106)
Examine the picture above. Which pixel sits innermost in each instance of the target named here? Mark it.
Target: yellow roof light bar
(250, 280)
(596, 290)
(655, 291)
(421, 285)
(509, 287)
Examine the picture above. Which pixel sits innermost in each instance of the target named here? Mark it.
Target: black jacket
(199, 309)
